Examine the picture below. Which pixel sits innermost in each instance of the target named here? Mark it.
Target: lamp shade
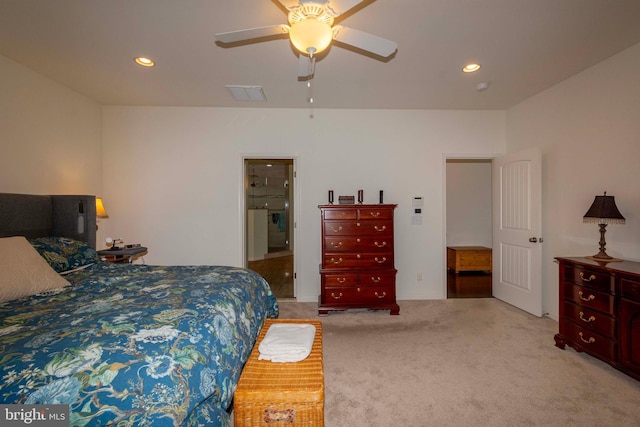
(603, 210)
(100, 210)
(310, 36)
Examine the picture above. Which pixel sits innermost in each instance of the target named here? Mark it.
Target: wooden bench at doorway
(468, 258)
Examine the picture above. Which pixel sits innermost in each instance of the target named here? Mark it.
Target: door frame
(295, 211)
(446, 157)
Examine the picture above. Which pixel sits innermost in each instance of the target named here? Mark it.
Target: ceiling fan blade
(364, 41)
(334, 7)
(338, 7)
(290, 4)
(306, 66)
(252, 33)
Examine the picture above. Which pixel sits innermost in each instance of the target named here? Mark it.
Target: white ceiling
(524, 46)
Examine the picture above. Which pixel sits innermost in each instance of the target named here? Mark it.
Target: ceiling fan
(311, 31)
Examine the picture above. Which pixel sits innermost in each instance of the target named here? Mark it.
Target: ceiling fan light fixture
(310, 36)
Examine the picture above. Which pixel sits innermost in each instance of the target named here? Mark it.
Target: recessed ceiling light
(470, 68)
(145, 62)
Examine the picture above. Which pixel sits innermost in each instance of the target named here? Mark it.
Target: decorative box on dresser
(599, 311)
(357, 269)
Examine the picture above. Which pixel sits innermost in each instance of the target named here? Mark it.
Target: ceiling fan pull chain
(311, 72)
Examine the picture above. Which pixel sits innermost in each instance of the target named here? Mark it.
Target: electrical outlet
(420, 277)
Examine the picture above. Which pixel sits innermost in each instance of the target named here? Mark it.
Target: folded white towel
(287, 342)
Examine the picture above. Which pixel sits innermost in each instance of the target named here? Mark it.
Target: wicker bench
(281, 394)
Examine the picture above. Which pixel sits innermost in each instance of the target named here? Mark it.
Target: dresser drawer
(340, 228)
(358, 244)
(357, 260)
(590, 341)
(375, 213)
(360, 295)
(589, 278)
(340, 214)
(339, 280)
(377, 228)
(590, 319)
(342, 244)
(589, 298)
(377, 279)
(630, 290)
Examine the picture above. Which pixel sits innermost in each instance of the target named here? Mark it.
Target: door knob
(533, 240)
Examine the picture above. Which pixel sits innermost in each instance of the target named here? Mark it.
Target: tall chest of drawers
(357, 269)
(599, 311)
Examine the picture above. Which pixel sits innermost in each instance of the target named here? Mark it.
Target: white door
(517, 230)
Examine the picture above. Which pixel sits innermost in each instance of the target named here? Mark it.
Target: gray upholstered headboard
(41, 216)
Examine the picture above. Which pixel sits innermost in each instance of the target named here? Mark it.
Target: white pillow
(23, 271)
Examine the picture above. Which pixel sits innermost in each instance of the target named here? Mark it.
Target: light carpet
(462, 362)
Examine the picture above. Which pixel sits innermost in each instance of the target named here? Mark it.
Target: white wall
(50, 136)
(173, 178)
(469, 208)
(588, 129)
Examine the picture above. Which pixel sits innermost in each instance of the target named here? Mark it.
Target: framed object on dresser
(599, 311)
(357, 269)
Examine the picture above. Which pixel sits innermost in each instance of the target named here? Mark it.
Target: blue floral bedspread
(135, 345)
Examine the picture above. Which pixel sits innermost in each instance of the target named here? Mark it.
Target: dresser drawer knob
(380, 245)
(336, 296)
(591, 297)
(374, 214)
(591, 340)
(336, 244)
(341, 279)
(589, 320)
(377, 228)
(336, 261)
(336, 229)
(381, 261)
(384, 294)
(375, 279)
(587, 279)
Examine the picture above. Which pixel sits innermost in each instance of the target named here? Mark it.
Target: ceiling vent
(247, 93)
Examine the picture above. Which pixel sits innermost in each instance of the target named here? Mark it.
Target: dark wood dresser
(599, 311)
(357, 269)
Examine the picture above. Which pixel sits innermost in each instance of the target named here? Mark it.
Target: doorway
(469, 228)
(269, 222)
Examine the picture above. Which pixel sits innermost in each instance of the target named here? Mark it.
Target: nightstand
(122, 256)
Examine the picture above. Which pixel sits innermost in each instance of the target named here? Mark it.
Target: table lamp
(100, 210)
(603, 211)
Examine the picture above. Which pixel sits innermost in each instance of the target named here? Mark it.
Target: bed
(121, 344)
